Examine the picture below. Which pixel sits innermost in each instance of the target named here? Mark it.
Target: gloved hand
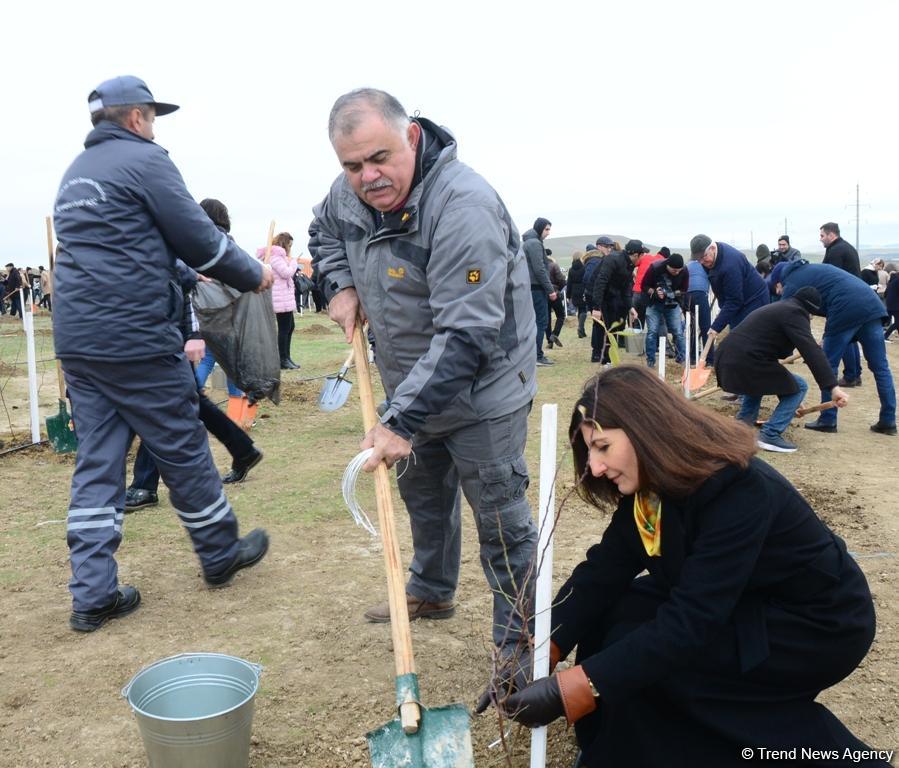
(515, 673)
(538, 704)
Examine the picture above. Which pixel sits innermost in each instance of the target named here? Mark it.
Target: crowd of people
(718, 634)
(18, 285)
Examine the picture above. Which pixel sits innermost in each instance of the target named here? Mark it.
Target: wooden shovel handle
(705, 352)
(410, 714)
(709, 391)
(815, 408)
(60, 380)
(268, 243)
(791, 359)
(50, 241)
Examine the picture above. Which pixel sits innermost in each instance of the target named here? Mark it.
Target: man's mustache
(379, 184)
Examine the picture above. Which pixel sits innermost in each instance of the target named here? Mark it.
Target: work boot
(844, 382)
(418, 609)
(135, 498)
(250, 550)
(884, 429)
(126, 600)
(240, 468)
(582, 334)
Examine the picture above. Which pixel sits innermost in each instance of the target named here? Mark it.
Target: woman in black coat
(574, 289)
(750, 608)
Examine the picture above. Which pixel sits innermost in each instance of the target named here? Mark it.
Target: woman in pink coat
(283, 300)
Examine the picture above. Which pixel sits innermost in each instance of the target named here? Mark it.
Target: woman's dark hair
(218, 212)
(678, 443)
(283, 239)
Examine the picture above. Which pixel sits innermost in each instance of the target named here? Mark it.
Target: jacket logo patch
(396, 272)
(474, 276)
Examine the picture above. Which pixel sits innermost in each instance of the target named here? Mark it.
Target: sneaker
(240, 468)
(544, 361)
(817, 426)
(582, 334)
(776, 443)
(126, 601)
(553, 339)
(135, 498)
(844, 382)
(884, 429)
(250, 550)
(650, 363)
(418, 609)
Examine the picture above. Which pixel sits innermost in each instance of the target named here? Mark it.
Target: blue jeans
(870, 336)
(204, 368)
(783, 414)
(852, 363)
(673, 318)
(541, 310)
(701, 299)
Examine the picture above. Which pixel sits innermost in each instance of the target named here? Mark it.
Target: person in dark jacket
(748, 364)
(784, 251)
(556, 306)
(542, 290)
(665, 287)
(891, 299)
(612, 295)
(575, 289)
(842, 255)
(854, 313)
(750, 605)
(738, 288)
(11, 290)
(123, 216)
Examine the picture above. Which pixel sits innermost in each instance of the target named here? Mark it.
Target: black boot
(241, 467)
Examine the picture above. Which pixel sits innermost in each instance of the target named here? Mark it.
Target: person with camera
(665, 284)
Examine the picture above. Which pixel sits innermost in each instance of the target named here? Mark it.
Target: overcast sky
(655, 120)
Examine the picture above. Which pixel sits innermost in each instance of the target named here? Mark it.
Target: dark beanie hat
(540, 224)
(810, 299)
(665, 251)
(675, 261)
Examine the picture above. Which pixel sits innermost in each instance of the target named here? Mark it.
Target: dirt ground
(328, 674)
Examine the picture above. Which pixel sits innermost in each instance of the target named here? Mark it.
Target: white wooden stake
(661, 357)
(687, 356)
(696, 341)
(28, 324)
(544, 593)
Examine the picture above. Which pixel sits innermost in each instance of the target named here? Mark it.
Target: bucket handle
(257, 668)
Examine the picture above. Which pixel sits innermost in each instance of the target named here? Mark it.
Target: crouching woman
(748, 608)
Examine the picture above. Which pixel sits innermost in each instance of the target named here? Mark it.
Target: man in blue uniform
(122, 216)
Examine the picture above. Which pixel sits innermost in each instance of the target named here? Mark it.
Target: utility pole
(751, 241)
(786, 231)
(857, 215)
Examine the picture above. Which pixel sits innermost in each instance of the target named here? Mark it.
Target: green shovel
(418, 737)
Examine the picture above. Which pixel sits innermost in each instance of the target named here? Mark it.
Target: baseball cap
(603, 240)
(123, 90)
(635, 246)
(698, 246)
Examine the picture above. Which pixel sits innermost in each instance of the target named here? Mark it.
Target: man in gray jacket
(422, 246)
(123, 216)
(542, 290)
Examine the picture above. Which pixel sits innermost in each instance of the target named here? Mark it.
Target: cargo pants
(157, 400)
(485, 461)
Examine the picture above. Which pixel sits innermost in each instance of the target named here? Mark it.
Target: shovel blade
(59, 431)
(696, 378)
(442, 741)
(334, 394)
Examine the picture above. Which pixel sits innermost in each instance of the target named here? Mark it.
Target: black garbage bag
(241, 331)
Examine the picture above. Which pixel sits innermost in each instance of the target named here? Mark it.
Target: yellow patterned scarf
(648, 516)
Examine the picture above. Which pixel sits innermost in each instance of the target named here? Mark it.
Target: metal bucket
(195, 710)
(634, 340)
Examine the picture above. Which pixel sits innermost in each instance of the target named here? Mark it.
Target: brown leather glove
(577, 694)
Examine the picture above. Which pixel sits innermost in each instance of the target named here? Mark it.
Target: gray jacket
(444, 286)
(123, 216)
(536, 258)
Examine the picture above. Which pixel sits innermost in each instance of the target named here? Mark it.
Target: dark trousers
(640, 304)
(612, 313)
(558, 309)
(157, 400)
(541, 310)
(15, 305)
(893, 326)
(216, 421)
(285, 332)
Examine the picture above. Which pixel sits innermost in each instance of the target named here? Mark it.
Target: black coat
(575, 283)
(891, 297)
(746, 362)
(761, 608)
(614, 284)
(844, 256)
